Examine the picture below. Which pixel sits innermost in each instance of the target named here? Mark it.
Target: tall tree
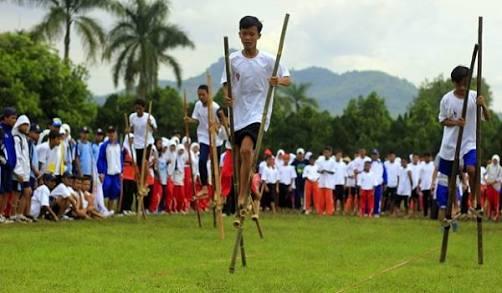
(35, 80)
(64, 16)
(296, 96)
(139, 42)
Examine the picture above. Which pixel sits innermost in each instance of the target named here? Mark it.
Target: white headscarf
(128, 147)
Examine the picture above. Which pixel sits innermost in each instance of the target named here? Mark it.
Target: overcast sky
(416, 40)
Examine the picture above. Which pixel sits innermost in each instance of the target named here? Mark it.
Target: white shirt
(113, 160)
(310, 172)
(270, 175)
(39, 199)
(392, 172)
(404, 186)
(200, 114)
(426, 173)
(451, 108)
(139, 126)
(250, 86)
(61, 191)
(261, 167)
(415, 173)
(340, 173)
(326, 180)
(377, 170)
(286, 174)
(351, 179)
(494, 173)
(367, 180)
(50, 159)
(179, 170)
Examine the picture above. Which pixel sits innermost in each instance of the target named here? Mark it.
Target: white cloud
(416, 40)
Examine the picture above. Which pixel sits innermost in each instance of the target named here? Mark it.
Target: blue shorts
(442, 195)
(6, 180)
(446, 166)
(111, 186)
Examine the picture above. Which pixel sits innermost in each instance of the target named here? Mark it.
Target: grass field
(298, 254)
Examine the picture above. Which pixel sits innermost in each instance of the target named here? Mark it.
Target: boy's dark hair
(328, 148)
(337, 150)
(459, 73)
(427, 154)
(250, 21)
(140, 102)
(203, 87)
(86, 178)
(53, 134)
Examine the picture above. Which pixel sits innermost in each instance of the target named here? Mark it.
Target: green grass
(298, 254)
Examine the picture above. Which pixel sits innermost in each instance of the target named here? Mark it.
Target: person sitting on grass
(404, 186)
(73, 185)
(40, 207)
(88, 197)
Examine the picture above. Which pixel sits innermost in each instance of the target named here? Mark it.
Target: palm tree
(65, 15)
(296, 95)
(139, 42)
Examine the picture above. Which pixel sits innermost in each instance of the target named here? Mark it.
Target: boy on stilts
(450, 116)
(251, 77)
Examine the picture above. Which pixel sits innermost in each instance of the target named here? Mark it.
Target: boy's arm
(280, 81)
(410, 176)
(481, 102)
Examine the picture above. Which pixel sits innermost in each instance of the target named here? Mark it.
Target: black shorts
(339, 192)
(251, 130)
(401, 198)
(6, 181)
(414, 193)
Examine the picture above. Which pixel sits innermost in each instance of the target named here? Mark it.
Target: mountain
(333, 91)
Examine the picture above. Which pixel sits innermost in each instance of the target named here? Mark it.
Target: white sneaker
(23, 219)
(66, 218)
(108, 214)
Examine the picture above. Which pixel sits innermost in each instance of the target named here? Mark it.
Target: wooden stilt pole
(477, 190)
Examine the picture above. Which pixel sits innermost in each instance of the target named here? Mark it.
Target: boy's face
(86, 185)
(338, 156)
(67, 181)
(249, 37)
(34, 135)
(10, 120)
(270, 161)
(416, 159)
(404, 162)
(55, 142)
(99, 137)
(172, 148)
(392, 157)
(84, 136)
(23, 128)
(203, 96)
(326, 154)
(299, 156)
(77, 184)
(139, 110)
(51, 184)
(112, 136)
(461, 87)
(427, 159)
(367, 166)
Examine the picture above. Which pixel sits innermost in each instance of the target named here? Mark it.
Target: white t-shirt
(50, 159)
(415, 173)
(270, 175)
(326, 180)
(426, 173)
(377, 170)
(392, 172)
(367, 180)
(351, 178)
(250, 86)
(61, 191)
(340, 173)
(139, 126)
(261, 167)
(310, 172)
(200, 114)
(404, 186)
(451, 108)
(39, 199)
(286, 174)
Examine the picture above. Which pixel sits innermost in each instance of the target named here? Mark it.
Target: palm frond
(52, 26)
